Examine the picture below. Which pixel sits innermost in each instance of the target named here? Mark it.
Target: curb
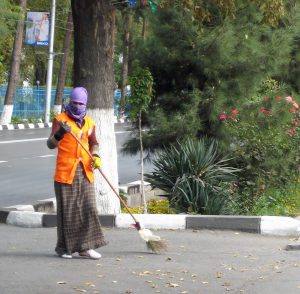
(264, 225)
(25, 126)
(41, 125)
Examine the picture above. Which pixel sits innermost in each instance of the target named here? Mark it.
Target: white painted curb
(279, 226)
(153, 221)
(21, 207)
(26, 219)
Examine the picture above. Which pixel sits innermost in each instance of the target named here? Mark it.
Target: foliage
(194, 175)
(141, 91)
(263, 136)
(201, 69)
(279, 202)
(154, 207)
(19, 120)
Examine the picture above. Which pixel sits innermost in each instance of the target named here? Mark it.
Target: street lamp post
(38, 96)
(50, 64)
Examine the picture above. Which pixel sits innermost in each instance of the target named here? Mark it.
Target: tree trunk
(14, 68)
(63, 66)
(94, 26)
(124, 74)
(143, 195)
(144, 29)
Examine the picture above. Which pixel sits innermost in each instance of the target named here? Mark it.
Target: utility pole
(50, 64)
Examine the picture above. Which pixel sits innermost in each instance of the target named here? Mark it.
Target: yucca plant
(194, 174)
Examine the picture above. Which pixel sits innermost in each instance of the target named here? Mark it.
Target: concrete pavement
(197, 261)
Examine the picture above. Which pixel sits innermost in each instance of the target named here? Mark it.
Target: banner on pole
(37, 28)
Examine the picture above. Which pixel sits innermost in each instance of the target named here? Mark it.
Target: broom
(153, 242)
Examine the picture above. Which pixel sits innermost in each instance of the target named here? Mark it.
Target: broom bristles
(157, 246)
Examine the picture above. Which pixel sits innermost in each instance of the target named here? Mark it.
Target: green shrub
(154, 207)
(194, 175)
(263, 136)
(283, 202)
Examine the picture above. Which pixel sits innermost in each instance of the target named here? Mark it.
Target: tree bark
(63, 65)
(124, 74)
(14, 68)
(94, 27)
(142, 186)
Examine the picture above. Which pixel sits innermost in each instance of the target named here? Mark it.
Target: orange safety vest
(70, 153)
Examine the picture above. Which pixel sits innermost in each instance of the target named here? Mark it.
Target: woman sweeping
(78, 226)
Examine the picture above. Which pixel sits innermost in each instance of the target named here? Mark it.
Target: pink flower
(295, 105)
(292, 110)
(230, 117)
(279, 98)
(289, 99)
(222, 116)
(235, 111)
(266, 98)
(295, 123)
(291, 132)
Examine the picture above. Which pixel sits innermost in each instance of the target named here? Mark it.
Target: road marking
(49, 155)
(2, 161)
(43, 139)
(22, 141)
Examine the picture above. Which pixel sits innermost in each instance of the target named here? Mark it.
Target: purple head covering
(79, 94)
(77, 111)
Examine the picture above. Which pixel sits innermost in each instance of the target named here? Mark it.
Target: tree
(63, 65)
(94, 27)
(14, 68)
(141, 89)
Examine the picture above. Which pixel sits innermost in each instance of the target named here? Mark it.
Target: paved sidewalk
(196, 262)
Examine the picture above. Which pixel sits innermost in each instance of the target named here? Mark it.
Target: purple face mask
(77, 111)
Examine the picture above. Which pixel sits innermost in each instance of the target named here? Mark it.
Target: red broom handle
(106, 179)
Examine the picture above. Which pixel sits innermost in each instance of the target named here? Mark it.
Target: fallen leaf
(80, 290)
(204, 282)
(145, 273)
(150, 282)
(118, 259)
(129, 292)
(184, 292)
(226, 284)
(140, 256)
(62, 282)
(168, 258)
(194, 275)
(90, 284)
(219, 275)
(100, 276)
(184, 271)
(172, 285)
(115, 282)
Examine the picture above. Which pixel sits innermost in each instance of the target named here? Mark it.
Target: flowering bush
(264, 137)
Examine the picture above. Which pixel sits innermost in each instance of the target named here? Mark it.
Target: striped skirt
(78, 225)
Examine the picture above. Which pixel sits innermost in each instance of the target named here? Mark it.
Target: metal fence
(30, 102)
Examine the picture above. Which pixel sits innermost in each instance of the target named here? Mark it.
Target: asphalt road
(210, 262)
(27, 165)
